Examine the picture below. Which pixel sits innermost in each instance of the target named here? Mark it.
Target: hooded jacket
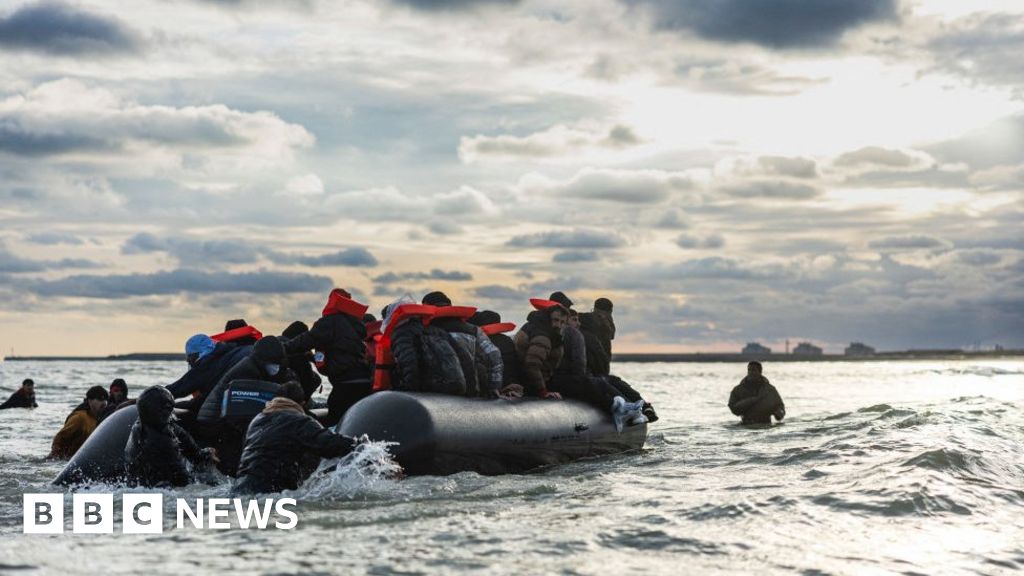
(282, 448)
(756, 400)
(158, 447)
(300, 362)
(341, 336)
(268, 351)
(539, 350)
(208, 371)
(76, 430)
(598, 360)
(574, 360)
(602, 325)
(480, 358)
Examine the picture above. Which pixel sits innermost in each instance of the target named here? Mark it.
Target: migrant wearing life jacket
(238, 334)
(498, 328)
(338, 302)
(373, 335)
(385, 359)
(544, 304)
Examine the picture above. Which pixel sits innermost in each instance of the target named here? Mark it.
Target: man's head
(236, 323)
(295, 329)
(155, 405)
(753, 368)
(562, 299)
(558, 318)
(439, 299)
(96, 398)
(484, 318)
(293, 391)
(269, 355)
(28, 384)
(603, 304)
(197, 347)
(574, 319)
(118, 391)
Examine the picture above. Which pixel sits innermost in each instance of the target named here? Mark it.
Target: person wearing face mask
(79, 424)
(159, 450)
(118, 395)
(267, 363)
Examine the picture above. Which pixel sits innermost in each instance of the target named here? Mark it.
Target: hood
(295, 329)
(341, 302)
(268, 350)
(281, 404)
(156, 406)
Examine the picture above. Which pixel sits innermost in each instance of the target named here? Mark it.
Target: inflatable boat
(433, 434)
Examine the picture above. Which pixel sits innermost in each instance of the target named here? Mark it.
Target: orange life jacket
(498, 328)
(237, 334)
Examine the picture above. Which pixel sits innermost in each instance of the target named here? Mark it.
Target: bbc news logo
(144, 513)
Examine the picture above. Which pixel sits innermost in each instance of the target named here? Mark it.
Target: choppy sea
(879, 468)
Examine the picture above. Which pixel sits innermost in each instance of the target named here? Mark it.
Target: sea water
(880, 467)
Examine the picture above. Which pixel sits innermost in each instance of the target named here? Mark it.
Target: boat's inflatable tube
(438, 434)
(101, 457)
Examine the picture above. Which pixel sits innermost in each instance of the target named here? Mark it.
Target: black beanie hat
(485, 317)
(437, 299)
(120, 383)
(561, 298)
(97, 393)
(603, 304)
(237, 323)
(294, 329)
(368, 318)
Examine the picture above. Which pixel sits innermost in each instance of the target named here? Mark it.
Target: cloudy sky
(724, 171)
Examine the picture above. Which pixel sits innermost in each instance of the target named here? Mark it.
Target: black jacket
(406, 350)
(20, 400)
(574, 360)
(158, 447)
(302, 367)
(208, 371)
(283, 447)
(509, 362)
(598, 359)
(342, 339)
(269, 350)
(756, 400)
(481, 361)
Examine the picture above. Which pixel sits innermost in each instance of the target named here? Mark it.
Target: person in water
(340, 336)
(480, 359)
(208, 362)
(24, 397)
(284, 445)
(301, 362)
(159, 451)
(755, 399)
(79, 424)
(539, 349)
(118, 394)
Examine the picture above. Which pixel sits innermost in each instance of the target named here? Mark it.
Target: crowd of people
(430, 346)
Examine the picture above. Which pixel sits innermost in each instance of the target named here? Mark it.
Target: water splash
(368, 470)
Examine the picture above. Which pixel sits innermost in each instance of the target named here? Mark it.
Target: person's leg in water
(343, 396)
(631, 395)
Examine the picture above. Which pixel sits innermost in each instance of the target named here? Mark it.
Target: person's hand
(551, 395)
(212, 452)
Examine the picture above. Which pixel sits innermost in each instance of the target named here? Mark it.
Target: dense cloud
(770, 23)
(14, 264)
(577, 238)
(355, 257)
(623, 186)
(54, 238)
(910, 242)
(552, 143)
(181, 281)
(435, 274)
(60, 29)
(196, 252)
(771, 189)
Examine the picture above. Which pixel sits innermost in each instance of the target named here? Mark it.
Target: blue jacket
(209, 370)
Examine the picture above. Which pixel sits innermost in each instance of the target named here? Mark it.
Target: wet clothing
(598, 357)
(76, 430)
(20, 399)
(574, 360)
(159, 448)
(480, 359)
(538, 351)
(756, 400)
(283, 446)
(208, 371)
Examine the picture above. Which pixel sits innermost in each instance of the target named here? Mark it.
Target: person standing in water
(79, 424)
(755, 399)
(24, 397)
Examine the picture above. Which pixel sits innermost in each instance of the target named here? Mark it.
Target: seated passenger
(340, 336)
(755, 399)
(539, 349)
(491, 324)
(159, 450)
(415, 357)
(601, 327)
(79, 424)
(301, 362)
(574, 359)
(24, 397)
(208, 361)
(480, 359)
(284, 445)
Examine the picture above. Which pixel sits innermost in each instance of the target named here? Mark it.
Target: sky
(724, 171)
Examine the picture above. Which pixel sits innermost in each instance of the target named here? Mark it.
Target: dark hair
(293, 391)
(97, 393)
(119, 383)
(603, 304)
(237, 323)
(573, 313)
(561, 298)
(294, 329)
(753, 364)
(437, 298)
(28, 382)
(367, 318)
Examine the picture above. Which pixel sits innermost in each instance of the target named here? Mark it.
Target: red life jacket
(372, 335)
(498, 328)
(385, 359)
(339, 302)
(236, 334)
(542, 304)
(460, 312)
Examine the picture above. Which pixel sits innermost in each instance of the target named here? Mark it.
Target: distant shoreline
(636, 357)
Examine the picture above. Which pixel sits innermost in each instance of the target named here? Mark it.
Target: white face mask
(272, 369)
